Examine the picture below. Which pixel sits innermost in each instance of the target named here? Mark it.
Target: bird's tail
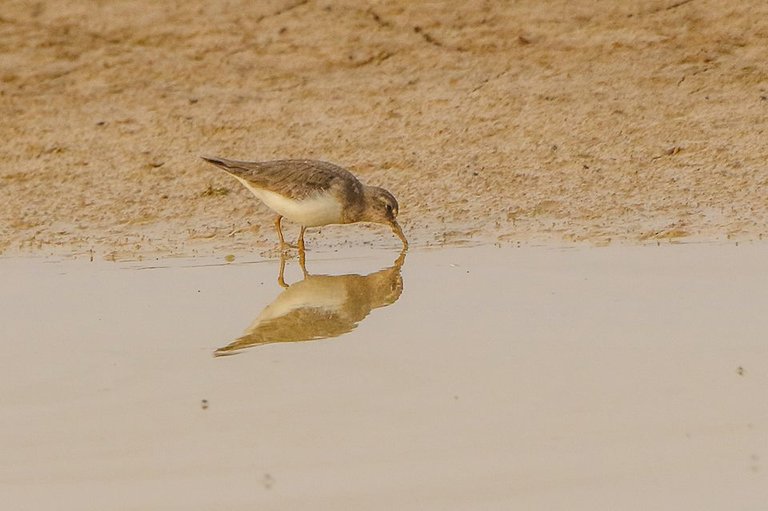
(220, 162)
(236, 168)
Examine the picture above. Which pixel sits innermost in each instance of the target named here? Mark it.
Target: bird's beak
(399, 233)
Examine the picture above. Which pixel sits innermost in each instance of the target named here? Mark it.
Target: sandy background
(490, 121)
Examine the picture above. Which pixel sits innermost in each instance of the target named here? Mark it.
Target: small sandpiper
(313, 193)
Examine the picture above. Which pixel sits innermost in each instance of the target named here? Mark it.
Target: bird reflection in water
(320, 306)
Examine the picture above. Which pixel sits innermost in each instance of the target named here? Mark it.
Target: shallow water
(477, 378)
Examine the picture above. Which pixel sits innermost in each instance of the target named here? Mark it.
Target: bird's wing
(294, 178)
(305, 324)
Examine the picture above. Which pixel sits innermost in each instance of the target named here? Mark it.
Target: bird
(313, 193)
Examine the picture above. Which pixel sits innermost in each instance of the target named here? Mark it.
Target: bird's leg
(279, 229)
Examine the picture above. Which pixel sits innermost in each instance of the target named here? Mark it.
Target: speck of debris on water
(268, 481)
(204, 404)
(740, 371)
(229, 258)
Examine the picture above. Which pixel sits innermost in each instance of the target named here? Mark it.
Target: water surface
(477, 378)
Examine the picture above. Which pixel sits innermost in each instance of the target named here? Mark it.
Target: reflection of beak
(399, 233)
(400, 259)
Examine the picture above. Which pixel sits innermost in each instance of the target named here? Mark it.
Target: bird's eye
(389, 208)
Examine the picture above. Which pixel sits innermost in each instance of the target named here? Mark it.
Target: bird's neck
(357, 213)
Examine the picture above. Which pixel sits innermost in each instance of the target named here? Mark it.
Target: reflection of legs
(301, 239)
(401, 258)
(283, 259)
(302, 254)
(281, 275)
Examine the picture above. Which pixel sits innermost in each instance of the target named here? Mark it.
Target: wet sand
(560, 121)
(535, 378)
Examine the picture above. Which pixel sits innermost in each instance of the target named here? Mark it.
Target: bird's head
(382, 208)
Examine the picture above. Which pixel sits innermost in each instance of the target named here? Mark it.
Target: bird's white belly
(321, 209)
(328, 294)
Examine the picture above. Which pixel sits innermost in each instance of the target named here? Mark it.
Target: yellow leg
(301, 238)
(281, 275)
(279, 229)
(302, 253)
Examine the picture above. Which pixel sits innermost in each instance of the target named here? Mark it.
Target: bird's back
(296, 179)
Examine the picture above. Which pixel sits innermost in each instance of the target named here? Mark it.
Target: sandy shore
(501, 122)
